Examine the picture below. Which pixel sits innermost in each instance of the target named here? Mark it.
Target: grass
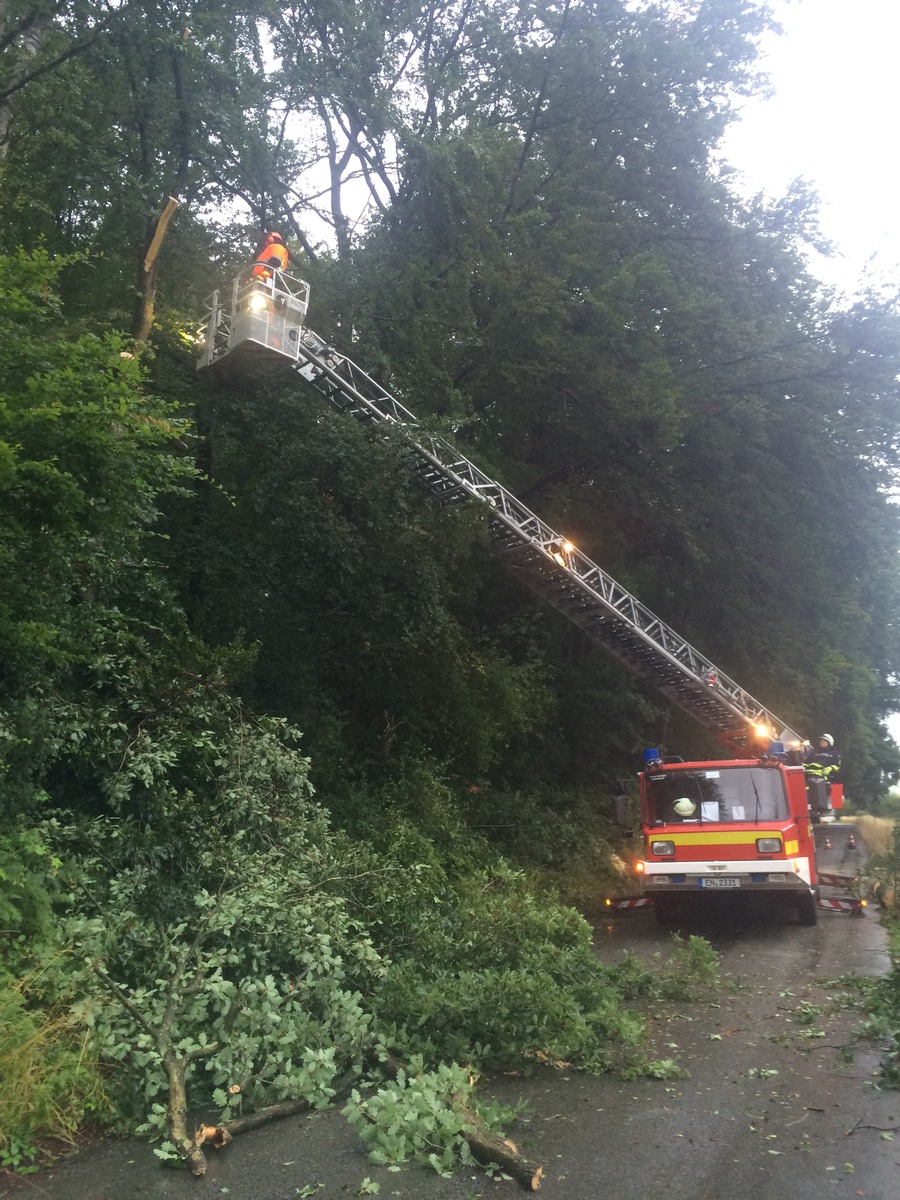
(50, 1080)
(876, 832)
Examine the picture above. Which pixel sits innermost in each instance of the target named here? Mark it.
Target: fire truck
(740, 827)
(742, 824)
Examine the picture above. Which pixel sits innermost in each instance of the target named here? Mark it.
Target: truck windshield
(721, 794)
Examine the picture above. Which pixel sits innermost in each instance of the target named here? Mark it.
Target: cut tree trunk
(145, 298)
(488, 1147)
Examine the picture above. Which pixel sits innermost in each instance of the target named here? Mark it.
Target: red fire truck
(741, 827)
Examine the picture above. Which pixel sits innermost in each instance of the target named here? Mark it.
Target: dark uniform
(823, 761)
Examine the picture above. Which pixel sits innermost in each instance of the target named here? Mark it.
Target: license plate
(720, 881)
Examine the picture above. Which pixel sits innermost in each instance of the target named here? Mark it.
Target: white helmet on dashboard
(685, 807)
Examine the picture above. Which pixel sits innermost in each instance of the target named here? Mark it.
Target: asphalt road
(781, 1102)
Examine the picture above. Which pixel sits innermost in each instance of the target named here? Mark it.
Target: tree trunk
(488, 1147)
(145, 299)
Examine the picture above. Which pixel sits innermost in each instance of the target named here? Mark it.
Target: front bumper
(791, 875)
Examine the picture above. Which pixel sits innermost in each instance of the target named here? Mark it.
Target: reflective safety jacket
(274, 255)
(824, 764)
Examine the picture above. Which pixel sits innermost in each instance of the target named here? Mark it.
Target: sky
(833, 119)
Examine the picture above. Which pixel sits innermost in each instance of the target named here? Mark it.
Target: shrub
(485, 972)
(51, 1079)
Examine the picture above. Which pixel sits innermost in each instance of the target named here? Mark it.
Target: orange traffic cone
(851, 841)
(827, 843)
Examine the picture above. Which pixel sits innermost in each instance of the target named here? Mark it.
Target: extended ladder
(540, 556)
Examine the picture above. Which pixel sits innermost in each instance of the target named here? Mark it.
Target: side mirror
(620, 806)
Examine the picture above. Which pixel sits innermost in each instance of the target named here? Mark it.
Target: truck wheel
(808, 909)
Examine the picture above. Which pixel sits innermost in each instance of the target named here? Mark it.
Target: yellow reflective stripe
(722, 838)
(792, 847)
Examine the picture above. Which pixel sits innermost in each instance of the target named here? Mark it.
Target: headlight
(257, 301)
(662, 848)
(768, 845)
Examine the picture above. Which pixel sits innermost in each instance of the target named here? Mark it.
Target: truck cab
(740, 827)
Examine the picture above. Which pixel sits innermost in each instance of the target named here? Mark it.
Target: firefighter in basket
(822, 764)
(823, 761)
(273, 255)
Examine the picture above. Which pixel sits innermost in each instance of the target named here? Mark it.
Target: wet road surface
(780, 1103)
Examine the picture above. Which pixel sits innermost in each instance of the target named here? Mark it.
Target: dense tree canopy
(555, 264)
(514, 215)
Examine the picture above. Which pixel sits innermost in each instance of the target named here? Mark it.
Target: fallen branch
(272, 1112)
(858, 1124)
(219, 1136)
(176, 1066)
(487, 1147)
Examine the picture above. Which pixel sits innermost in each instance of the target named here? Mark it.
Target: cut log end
(487, 1147)
(212, 1135)
(196, 1160)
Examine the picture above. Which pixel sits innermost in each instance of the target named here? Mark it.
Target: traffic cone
(827, 843)
(851, 841)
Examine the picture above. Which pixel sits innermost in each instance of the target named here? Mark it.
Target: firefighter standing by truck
(823, 761)
(822, 765)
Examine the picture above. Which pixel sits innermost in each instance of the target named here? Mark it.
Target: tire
(808, 909)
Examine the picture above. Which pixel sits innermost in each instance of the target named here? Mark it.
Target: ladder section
(545, 561)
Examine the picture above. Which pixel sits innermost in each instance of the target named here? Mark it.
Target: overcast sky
(834, 121)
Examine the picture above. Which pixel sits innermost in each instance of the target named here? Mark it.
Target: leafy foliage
(415, 1117)
(86, 455)
(207, 924)
(551, 267)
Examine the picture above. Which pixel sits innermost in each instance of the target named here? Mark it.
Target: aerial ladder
(261, 323)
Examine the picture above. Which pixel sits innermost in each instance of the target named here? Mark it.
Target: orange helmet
(274, 237)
